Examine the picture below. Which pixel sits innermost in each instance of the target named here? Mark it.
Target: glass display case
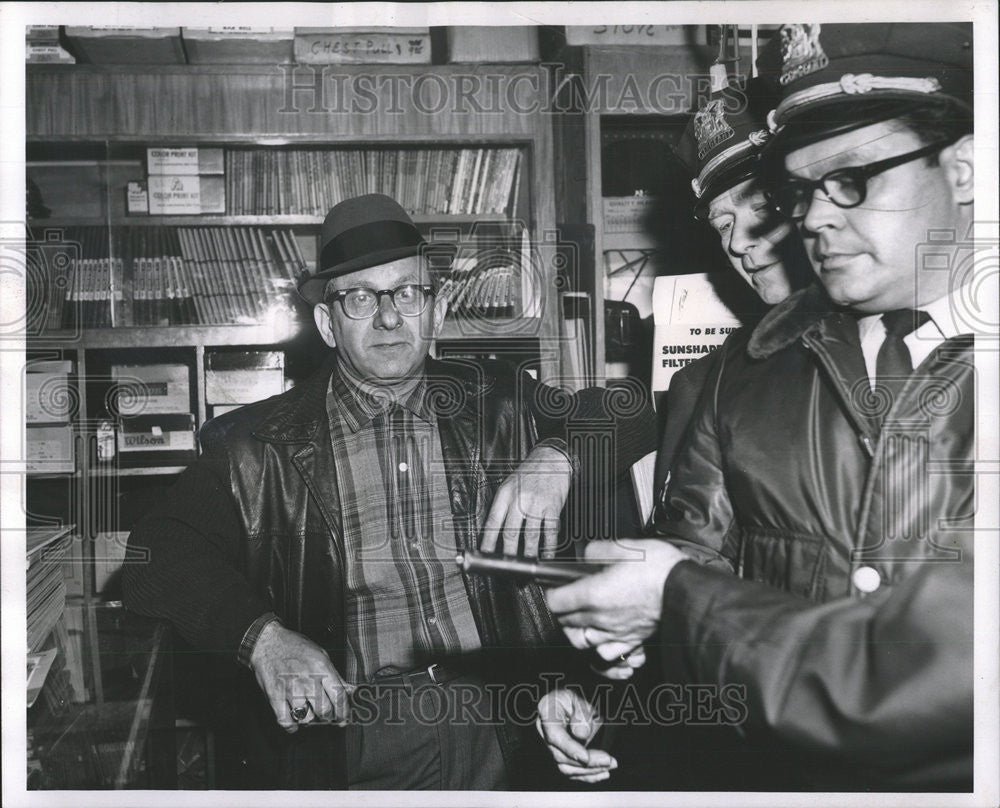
(103, 718)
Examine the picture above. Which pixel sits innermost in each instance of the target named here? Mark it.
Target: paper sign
(635, 35)
(690, 322)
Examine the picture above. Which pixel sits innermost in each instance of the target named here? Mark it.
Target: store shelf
(170, 336)
(217, 220)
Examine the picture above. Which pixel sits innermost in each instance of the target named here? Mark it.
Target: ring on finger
(299, 713)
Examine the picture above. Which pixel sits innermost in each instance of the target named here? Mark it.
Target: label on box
(49, 449)
(242, 31)
(174, 195)
(242, 386)
(41, 33)
(155, 439)
(48, 397)
(363, 46)
(50, 54)
(184, 161)
(145, 433)
(136, 198)
(152, 389)
(245, 360)
(635, 35)
(100, 30)
(179, 195)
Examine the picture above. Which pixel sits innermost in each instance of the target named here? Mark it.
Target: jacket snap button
(866, 579)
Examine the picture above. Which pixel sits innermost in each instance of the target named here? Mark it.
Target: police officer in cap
(829, 475)
(721, 147)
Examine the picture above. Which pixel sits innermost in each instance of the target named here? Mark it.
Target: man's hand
(623, 660)
(618, 607)
(294, 673)
(532, 497)
(567, 723)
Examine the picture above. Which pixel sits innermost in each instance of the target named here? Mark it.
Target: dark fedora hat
(362, 232)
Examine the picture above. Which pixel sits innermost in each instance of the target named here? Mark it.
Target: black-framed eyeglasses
(844, 187)
(360, 303)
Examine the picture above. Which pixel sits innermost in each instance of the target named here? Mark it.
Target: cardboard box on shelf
(48, 397)
(185, 195)
(243, 377)
(165, 439)
(363, 46)
(49, 449)
(239, 44)
(188, 160)
(495, 43)
(114, 44)
(152, 389)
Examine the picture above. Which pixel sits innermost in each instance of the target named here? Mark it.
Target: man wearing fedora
(314, 541)
(827, 489)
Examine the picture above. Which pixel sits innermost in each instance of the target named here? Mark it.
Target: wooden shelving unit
(98, 120)
(638, 82)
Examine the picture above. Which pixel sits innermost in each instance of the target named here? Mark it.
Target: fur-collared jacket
(851, 634)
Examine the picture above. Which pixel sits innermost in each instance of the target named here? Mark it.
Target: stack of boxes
(182, 181)
(156, 425)
(241, 44)
(41, 46)
(49, 405)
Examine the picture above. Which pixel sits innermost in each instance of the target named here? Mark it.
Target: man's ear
(324, 323)
(958, 161)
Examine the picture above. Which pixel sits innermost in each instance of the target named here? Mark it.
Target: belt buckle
(430, 673)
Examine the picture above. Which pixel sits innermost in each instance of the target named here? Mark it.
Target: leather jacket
(787, 480)
(251, 527)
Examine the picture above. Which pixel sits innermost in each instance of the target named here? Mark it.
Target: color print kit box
(185, 181)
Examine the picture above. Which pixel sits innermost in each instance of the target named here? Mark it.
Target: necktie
(893, 364)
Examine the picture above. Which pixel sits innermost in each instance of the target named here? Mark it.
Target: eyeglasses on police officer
(844, 187)
(360, 303)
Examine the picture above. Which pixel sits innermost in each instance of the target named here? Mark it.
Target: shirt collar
(949, 313)
(360, 403)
